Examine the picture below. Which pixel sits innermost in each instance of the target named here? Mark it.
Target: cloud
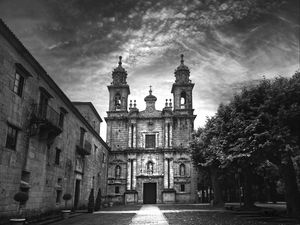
(226, 44)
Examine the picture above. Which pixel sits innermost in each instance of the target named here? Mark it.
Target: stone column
(128, 174)
(129, 135)
(171, 174)
(166, 173)
(165, 136)
(171, 134)
(134, 175)
(134, 135)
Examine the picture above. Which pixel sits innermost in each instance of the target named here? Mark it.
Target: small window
(150, 167)
(58, 196)
(11, 138)
(183, 100)
(82, 133)
(118, 171)
(182, 187)
(61, 119)
(18, 84)
(117, 189)
(57, 156)
(103, 157)
(150, 141)
(118, 101)
(95, 149)
(182, 170)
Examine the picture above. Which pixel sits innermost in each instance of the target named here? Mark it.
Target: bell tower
(182, 90)
(116, 120)
(118, 90)
(183, 117)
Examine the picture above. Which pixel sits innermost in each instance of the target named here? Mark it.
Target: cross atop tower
(182, 61)
(150, 91)
(120, 60)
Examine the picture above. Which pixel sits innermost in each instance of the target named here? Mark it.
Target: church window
(183, 100)
(118, 101)
(118, 171)
(150, 141)
(182, 187)
(182, 170)
(150, 167)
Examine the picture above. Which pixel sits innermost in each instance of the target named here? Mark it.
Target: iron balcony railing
(45, 113)
(84, 148)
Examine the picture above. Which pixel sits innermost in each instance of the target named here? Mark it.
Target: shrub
(91, 203)
(67, 197)
(21, 197)
(98, 200)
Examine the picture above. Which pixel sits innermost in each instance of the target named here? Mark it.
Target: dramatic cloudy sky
(226, 43)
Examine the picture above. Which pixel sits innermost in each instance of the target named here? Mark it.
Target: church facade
(150, 160)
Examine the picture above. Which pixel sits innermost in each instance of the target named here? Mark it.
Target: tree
(91, 203)
(205, 156)
(98, 200)
(260, 124)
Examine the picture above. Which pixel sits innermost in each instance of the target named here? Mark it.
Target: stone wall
(35, 155)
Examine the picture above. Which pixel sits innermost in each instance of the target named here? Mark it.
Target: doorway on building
(149, 195)
(77, 193)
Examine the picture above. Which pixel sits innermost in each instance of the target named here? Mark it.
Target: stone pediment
(117, 161)
(150, 113)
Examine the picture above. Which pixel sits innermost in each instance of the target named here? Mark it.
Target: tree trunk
(291, 189)
(248, 190)
(218, 198)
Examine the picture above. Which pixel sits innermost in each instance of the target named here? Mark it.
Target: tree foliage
(261, 125)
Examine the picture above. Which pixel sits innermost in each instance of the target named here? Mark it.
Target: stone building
(149, 160)
(48, 145)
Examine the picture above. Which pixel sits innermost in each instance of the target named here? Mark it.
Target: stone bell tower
(118, 109)
(183, 105)
(118, 90)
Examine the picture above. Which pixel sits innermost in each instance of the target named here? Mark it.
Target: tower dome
(182, 73)
(150, 97)
(119, 74)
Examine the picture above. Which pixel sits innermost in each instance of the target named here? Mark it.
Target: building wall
(89, 115)
(36, 155)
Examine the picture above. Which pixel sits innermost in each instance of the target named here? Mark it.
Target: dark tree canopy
(259, 127)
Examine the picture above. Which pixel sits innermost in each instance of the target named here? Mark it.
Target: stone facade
(47, 147)
(150, 160)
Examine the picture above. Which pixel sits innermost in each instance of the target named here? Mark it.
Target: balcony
(45, 121)
(84, 149)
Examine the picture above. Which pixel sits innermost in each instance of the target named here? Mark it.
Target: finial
(134, 104)
(120, 60)
(150, 91)
(170, 103)
(130, 104)
(166, 103)
(182, 61)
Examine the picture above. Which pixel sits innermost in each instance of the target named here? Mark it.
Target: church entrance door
(149, 195)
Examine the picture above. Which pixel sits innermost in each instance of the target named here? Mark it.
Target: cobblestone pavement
(149, 214)
(197, 214)
(222, 218)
